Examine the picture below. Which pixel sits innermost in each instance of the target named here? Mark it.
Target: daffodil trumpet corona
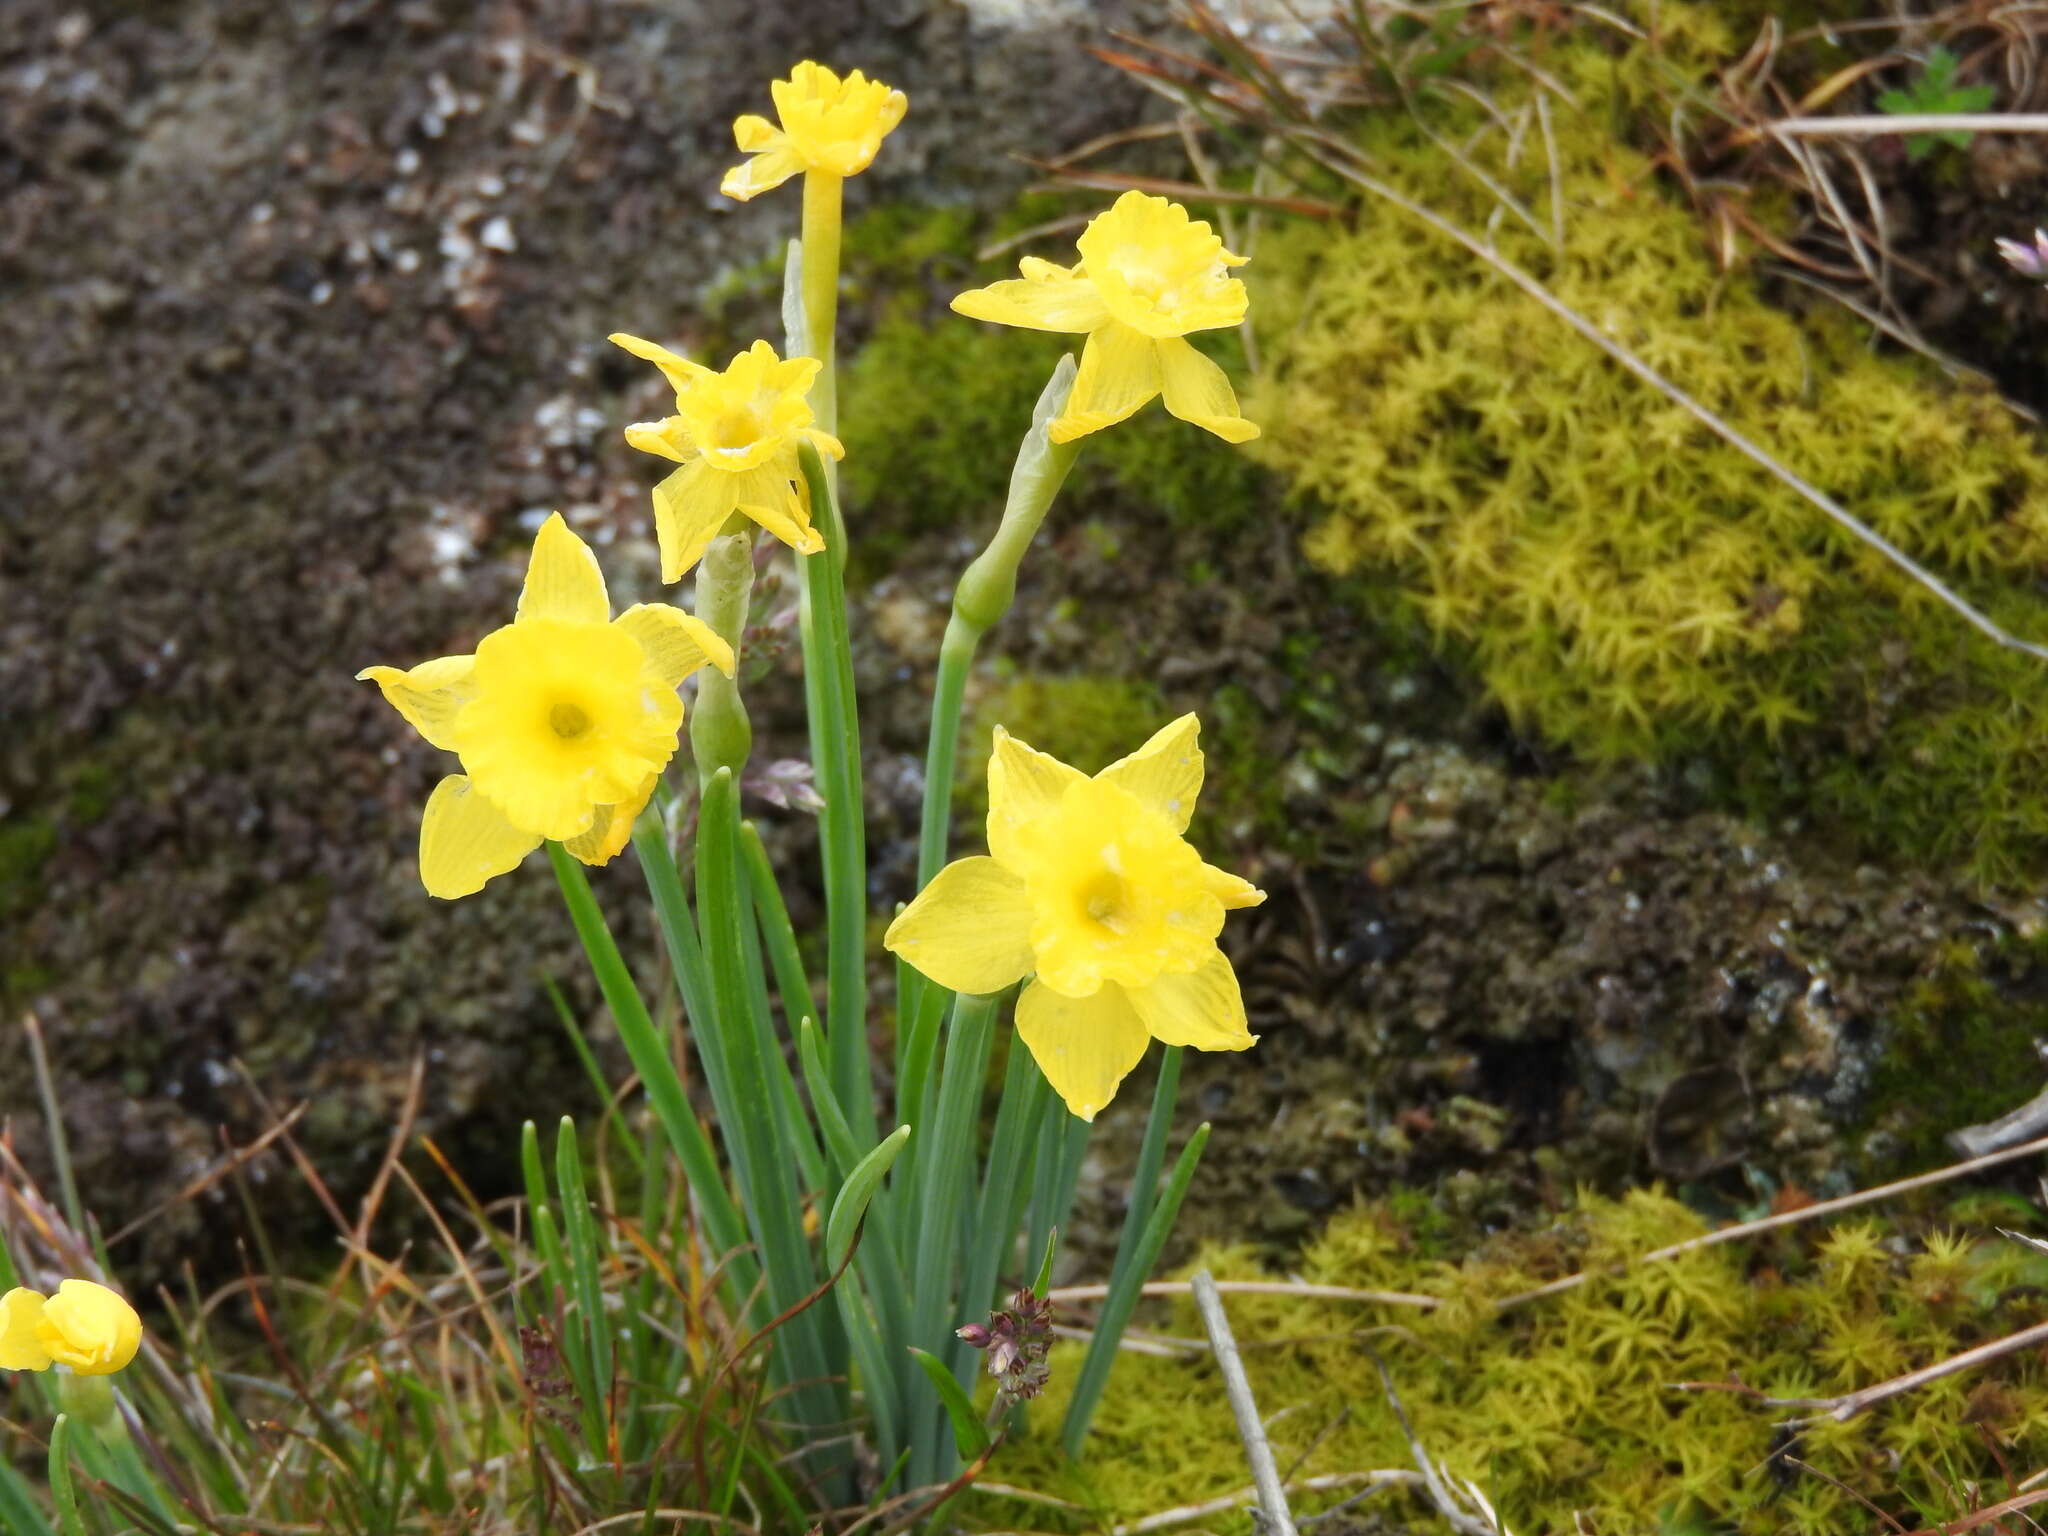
(563, 720)
(1092, 892)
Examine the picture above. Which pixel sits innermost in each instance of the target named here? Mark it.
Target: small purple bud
(974, 1335)
(2027, 260)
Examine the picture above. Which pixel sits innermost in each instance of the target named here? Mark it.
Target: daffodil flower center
(1139, 268)
(736, 432)
(1105, 900)
(568, 720)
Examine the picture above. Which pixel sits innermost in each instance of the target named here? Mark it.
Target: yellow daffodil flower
(84, 1326)
(827, 124)
(563, 720)
(1147, 276)
(1090, 888)
(736, 434)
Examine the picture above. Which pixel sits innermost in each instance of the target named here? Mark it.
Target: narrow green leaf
(852, 1201)
(580, 1238)
(62, 1492)
(1043, 1283)
(1123, 1296)
(970, 1438)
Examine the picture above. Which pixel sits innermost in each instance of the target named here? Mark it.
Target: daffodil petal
(690, 506)
(765, 172)
(676, 643)
(562, 578)
(1119, 372)
(21, 1343)
(1084, 1045)
(1165, 774)
(825, 443)
(1045, 298)
(677, 369)
(969, 930)
(787, 525)
(465, 840)
(754, 133)
(610, 827)
(668, 437)
(429, 695)
(90, 1328)
(1199, 391)
(1023, 784)
(1201, 1008)
(1231, 890)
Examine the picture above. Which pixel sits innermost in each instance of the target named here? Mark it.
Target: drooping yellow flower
(1147, 276)
(84, 1326)
(828, 124)
(563, 720)
(736, 434)
(1090, 888)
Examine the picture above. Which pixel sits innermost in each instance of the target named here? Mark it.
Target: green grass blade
(946, 1162)
(581, 1241)
(18, 1510)
(970, 1437)
(63, 1493)
(664, 1089)
(990, 1237)
(851, 1203)
(783, 957)
(1123, 1296)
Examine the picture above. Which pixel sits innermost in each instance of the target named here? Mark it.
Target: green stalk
(842, 833)
(768, 1190)
(776, 931)
(1062, 1143)
(1124, 1287)
(650, 1058)
(946, 1163)
(823, 203)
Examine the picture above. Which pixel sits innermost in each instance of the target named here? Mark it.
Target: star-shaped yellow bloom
(1090, 888)
(563, 720)
(1147, 276)
(828, 124)
(84, 1326)
(736, 434)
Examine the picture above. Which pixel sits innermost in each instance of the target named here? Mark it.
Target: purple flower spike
(2028, 260)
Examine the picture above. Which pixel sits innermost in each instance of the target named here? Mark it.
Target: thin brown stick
(1848, 127)
(219, 1170)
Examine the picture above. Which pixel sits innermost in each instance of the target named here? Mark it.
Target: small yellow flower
(828, 124)
(1148, 275)
(1091, 889)
(84, 1326)
(736, 434)
(563, 720)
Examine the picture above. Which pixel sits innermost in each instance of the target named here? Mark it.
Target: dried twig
(1275, 1519)
(1460, 1518)
(1908, 122)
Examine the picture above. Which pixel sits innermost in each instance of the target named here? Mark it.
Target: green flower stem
(842, 833)
(767, 1189)
(664, 1089)
(823, 201)
(946, 1164)
(721, 736)
(1125, 1283)
(982, 596)
(793, 1125)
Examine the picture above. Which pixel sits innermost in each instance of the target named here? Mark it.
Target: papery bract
(1090, 888)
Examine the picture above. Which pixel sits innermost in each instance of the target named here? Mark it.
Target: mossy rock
(1568, 1408)
(1624, 582)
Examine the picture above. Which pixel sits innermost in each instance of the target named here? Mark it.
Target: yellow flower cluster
(1090, 889)
(85, 1327)
(828, 124)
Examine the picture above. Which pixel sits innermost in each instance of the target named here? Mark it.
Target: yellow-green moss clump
(1565, 1408)
(1623, 581)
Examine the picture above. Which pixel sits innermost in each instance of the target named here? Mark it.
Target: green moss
(1566, 1407)
(26, 844)
(1957, 1046)
(1622, 581)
